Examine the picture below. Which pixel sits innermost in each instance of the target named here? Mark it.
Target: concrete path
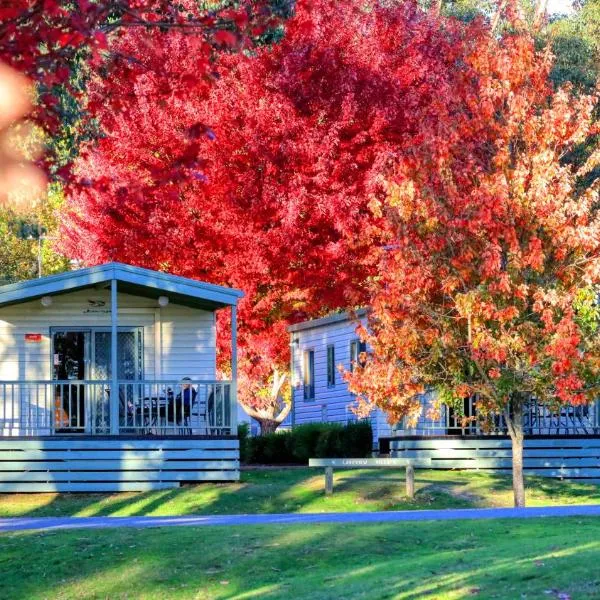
(53, 523)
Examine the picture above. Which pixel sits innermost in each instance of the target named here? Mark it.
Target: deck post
(410, 481)
(329, 480)
(114, 386)
(234, 367)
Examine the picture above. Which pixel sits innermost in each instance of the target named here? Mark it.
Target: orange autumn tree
(488, 285)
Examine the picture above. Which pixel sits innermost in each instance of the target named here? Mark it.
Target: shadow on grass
(302, 490)
(499, 559)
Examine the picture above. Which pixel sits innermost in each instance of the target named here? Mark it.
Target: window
(356, 348)
(330, 366)
(309, 375)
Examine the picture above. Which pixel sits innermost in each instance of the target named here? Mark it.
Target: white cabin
(68, 341)
(318, 348)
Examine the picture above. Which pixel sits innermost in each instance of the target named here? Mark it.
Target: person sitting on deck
(180, 407)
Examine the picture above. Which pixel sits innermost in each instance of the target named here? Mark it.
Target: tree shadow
(302, 490)
(460, 559)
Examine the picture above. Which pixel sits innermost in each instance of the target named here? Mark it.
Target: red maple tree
(277, 204)
(488, 287)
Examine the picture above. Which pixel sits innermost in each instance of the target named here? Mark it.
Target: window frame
(357, 347)
(308, 374)
(331, 365)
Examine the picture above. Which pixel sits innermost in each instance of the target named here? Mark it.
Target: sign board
(33, 337)
(368, 463)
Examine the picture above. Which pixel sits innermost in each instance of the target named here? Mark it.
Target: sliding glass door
(85, 354)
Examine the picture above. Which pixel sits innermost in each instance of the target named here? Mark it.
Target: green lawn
(535, 559)
(301, 490)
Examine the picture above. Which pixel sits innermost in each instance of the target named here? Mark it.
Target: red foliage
(50, 40)
(361, 128)
(279, 204)
(489, 284)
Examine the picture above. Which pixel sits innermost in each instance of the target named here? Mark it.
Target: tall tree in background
(489, 284)
(575, 42)
(26, 240)
(277, 204)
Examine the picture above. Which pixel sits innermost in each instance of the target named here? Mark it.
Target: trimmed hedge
(309, 440)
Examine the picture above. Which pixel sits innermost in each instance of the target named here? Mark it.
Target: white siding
(188, 343)
(31, 360)
(331, 404)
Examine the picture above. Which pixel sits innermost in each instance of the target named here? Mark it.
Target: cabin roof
(130, 280)
(328, 320)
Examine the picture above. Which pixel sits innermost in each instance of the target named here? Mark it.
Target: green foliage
(17, 255)
(20, 240)
(449, 398)
(575, 41)
(310, 440)
(587, 309)
(243, 432)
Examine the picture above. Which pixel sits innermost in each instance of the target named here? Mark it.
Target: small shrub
(276, 448)
(309, 440)
(357, 440)
(243, 432)
(330, 443)
(306, 437)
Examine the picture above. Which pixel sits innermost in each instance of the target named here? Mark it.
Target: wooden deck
(565, 457)
(104, 464)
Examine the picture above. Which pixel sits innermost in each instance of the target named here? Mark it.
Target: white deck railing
(149, 407)
(538, 419)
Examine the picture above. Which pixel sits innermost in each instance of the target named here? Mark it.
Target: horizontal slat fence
(566, 458)
(106, 465)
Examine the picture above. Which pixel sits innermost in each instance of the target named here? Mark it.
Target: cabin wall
(330, 404)
(188, 342)
(178, 341)
(23, 360)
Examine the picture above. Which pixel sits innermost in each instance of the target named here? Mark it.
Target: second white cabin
(318, 349)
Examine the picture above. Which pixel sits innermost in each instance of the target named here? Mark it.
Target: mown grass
(509, 559)
(301, 490)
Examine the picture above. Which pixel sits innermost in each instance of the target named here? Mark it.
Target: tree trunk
(514, 422)
(271, 416)
(267, 425)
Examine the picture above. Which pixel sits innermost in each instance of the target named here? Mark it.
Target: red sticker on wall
(33, 337)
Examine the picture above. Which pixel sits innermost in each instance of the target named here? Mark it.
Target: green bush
(357, 437)
(243, 432)
(330, 443)
(309, 440)
(305, 440)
